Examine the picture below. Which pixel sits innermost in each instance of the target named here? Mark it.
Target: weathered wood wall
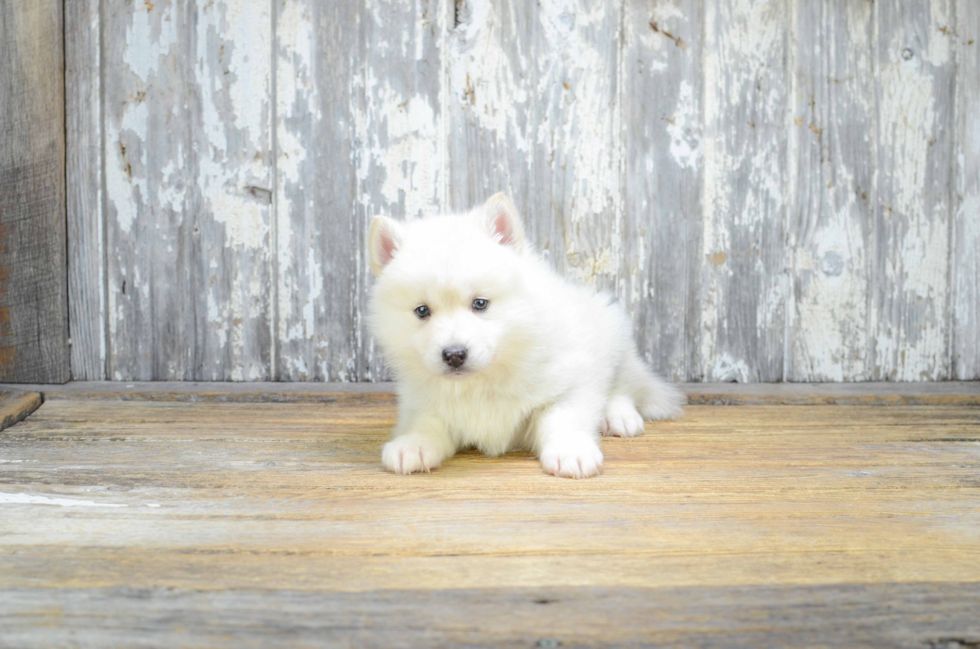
(775, 189)
(33, 287)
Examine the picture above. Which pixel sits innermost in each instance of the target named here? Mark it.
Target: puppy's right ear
(384, 240)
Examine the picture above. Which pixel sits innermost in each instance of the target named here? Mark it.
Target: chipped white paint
(683, 128)
(965, 253)
(32, 499)
(578, 131)
(489, 74)
(910, 298)
(661, 135)
(297, 117)
(188, 187)
(398, 168)
(746, 94)
(760, 182)
(833, 147)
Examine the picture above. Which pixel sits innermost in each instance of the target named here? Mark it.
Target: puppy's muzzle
(454, 357)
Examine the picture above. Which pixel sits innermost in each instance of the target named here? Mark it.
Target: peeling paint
(767, 204)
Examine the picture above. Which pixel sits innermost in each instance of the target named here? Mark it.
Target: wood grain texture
(400, 128)
(490, 103)
(801, 521)
(16, 405)
(317, 234)
(914, 87)
(773, 189)
(832, 143)
(662, 132)
(33, 259)
(965, 248)
(360, 132)
(746, 102)
(962, 393)
(535, 112)
(834, 615)
(188, 180)
(86, 235)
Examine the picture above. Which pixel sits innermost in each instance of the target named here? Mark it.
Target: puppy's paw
(572, 458)
(411, 454)
(622, 418)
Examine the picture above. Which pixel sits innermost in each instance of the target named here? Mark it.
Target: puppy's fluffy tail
(654, 397)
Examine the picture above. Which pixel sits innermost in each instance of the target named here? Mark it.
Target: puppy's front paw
(411, 454)
(572, 458)
(622, 419)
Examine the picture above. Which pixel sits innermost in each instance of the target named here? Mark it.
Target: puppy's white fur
(549, 364)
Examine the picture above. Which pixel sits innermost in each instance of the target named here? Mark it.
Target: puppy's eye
(480, 304)
(422, 312)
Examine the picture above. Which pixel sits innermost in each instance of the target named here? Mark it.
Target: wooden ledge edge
(953, 393)
(16, 405)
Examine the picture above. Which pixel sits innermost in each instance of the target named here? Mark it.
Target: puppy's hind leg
(621, 419)
(639, 394)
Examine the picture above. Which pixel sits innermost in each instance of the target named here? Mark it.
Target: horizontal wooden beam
(951, 392)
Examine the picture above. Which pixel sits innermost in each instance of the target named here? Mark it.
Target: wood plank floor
(142, 523)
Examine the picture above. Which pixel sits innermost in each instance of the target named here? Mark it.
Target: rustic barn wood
(188, 176)
(318, 234)
(86, 235)
(962, 393)
(33, 287)
(830, 615)
(831, 200)
(239, 524)
(774, 189)
(965, 233)
(747, 94)
(16, 405)
(662, 141)
(910, 263)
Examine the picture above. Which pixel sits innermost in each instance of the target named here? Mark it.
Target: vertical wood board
(490, 103)
(188, 190)
(360, 132)
(400, 133)
(910, 265)
(832, 144)
(316, 238)
(662, 133)
(744, 193)
(965, 249)
(86, 254)
(33, 275)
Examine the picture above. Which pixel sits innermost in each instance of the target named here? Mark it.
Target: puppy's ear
(384, 240)
(503, 221)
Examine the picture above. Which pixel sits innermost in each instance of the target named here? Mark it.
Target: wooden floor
(171, 524)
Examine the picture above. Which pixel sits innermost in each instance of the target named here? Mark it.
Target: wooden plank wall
(33, 275)
(774, 189)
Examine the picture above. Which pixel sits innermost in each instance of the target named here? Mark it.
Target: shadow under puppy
(492, 349)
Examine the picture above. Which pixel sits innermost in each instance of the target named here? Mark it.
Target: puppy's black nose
(454, 356)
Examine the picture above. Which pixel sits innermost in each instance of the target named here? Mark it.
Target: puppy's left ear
(503, 222)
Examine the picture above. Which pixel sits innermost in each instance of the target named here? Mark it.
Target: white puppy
(492, 349)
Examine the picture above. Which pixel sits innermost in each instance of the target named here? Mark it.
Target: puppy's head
(448, 300)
